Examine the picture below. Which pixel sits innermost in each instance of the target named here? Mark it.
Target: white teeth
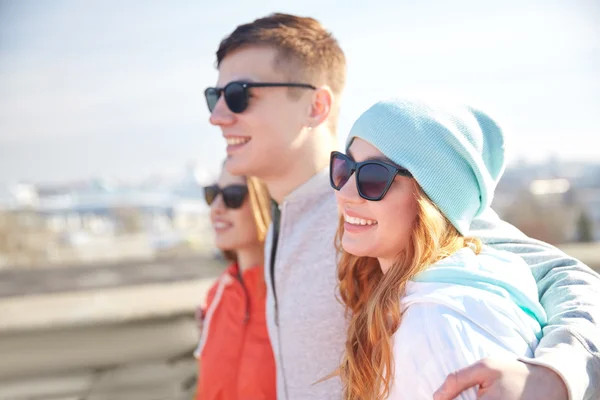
(359, 221)
(232, 141)
(221, 224)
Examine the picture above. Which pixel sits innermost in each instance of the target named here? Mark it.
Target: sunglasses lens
(372, 180)
(236, 97)
(212, 97)
(340, 171)
(210, 194)
(234, 196)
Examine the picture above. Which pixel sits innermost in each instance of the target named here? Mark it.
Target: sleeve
(202, 314)
(210, 296)
(433, 341)
(570, 294)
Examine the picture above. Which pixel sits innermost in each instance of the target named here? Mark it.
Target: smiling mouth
(359, 221)
(221, 225)
(237, 141)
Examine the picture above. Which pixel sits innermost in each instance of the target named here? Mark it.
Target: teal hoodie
(497, 272)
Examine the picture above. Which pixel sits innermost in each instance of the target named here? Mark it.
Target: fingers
(466, 378)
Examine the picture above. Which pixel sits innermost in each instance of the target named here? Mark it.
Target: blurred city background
(105, 243)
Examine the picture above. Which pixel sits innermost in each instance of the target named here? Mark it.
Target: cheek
(280, 128)
(395, 233)
(246, 227)
(396, 224)
(339, 201)
(267, 135)
(242, 234)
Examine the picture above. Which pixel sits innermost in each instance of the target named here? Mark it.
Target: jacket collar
(315, 187)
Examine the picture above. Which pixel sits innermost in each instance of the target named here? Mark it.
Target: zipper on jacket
(276, 217)
(246, 293)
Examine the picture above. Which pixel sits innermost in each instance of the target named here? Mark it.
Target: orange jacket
(234, 355)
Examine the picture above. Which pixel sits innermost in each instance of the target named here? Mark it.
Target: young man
(284, 134)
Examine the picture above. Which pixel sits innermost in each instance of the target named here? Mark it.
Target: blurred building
(101, 219)
(555, 202)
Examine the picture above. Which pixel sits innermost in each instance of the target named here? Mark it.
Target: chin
(356, 248)
(240, 165)
(225, 245)
(237, 167)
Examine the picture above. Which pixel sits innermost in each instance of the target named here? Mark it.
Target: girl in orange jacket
(235, 360)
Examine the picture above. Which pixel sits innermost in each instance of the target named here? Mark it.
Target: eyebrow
(241, 80)
(381, 158)
(374, 158)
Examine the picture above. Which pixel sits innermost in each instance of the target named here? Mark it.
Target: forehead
(361, 150)
(253, 63)
(226, 179)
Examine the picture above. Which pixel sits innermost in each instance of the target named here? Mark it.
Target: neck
(385, 264)
(250, 257)
(306, 163)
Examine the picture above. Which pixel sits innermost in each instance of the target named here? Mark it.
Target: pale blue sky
(114, 88)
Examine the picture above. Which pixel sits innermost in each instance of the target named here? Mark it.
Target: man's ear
(320, 106)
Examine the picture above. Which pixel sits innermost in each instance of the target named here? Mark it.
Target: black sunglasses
(233, 195)
(373, 178)
(237, 94)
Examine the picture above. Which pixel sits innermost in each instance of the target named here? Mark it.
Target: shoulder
(227, 276)
(443, 329)
(493, 312)
(224, 280)
(434, 340)
(502, 278)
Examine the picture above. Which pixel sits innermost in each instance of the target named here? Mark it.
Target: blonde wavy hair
(372, 299)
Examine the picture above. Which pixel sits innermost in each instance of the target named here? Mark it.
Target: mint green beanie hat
(455, 152)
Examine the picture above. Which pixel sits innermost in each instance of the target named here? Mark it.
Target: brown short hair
(306, 49)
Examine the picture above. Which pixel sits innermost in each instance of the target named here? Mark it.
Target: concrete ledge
(148, 381)
(37, 353)
(130, 343)
(106, 306)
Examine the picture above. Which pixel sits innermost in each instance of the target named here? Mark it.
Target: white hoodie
(462, 309)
